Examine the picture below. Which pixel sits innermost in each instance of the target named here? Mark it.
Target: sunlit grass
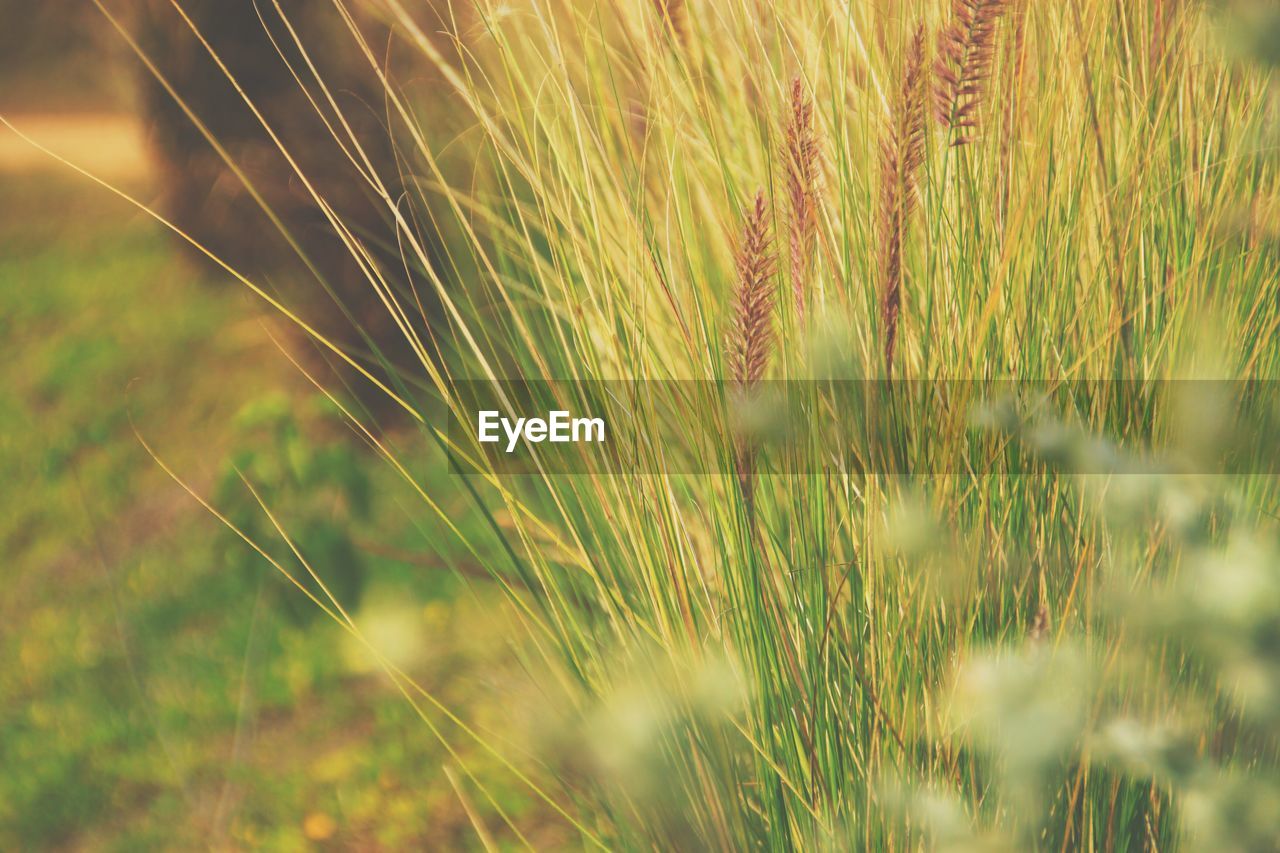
(775, 664)
(1086, 232)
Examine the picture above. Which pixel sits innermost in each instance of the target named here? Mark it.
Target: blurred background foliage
(57, 54)
(304, 79)
(161, 685)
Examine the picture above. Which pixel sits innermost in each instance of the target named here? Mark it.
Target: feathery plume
(1040, 627)
(751, 336)
(965, 50)
(802, 191)
(674, 22)
(901, 155)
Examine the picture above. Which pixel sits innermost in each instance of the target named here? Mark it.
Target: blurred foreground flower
(1026, 711)
(395, 629)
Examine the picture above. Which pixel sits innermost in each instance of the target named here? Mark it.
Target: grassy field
(157, 693)
(1046, 622)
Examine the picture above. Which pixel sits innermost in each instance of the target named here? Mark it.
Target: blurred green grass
(153, 695)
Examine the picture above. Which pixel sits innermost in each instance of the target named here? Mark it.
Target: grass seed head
(751, 335)
(901, 155)
(674, 17)
(802, 191)
(961, 71)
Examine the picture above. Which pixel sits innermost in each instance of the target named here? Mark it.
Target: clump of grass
(966, 48)
(901, 156)
(802, 192)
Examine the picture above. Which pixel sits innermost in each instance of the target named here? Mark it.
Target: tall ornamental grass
(854, 653)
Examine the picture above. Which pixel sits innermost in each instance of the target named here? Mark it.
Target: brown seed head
(802, 191)
(901, 155)
(1040, 627)
(674, 19)
(965, 50)
(751, 334)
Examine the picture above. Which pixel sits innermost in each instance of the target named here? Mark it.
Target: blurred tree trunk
(202, 193)
(54, 57)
